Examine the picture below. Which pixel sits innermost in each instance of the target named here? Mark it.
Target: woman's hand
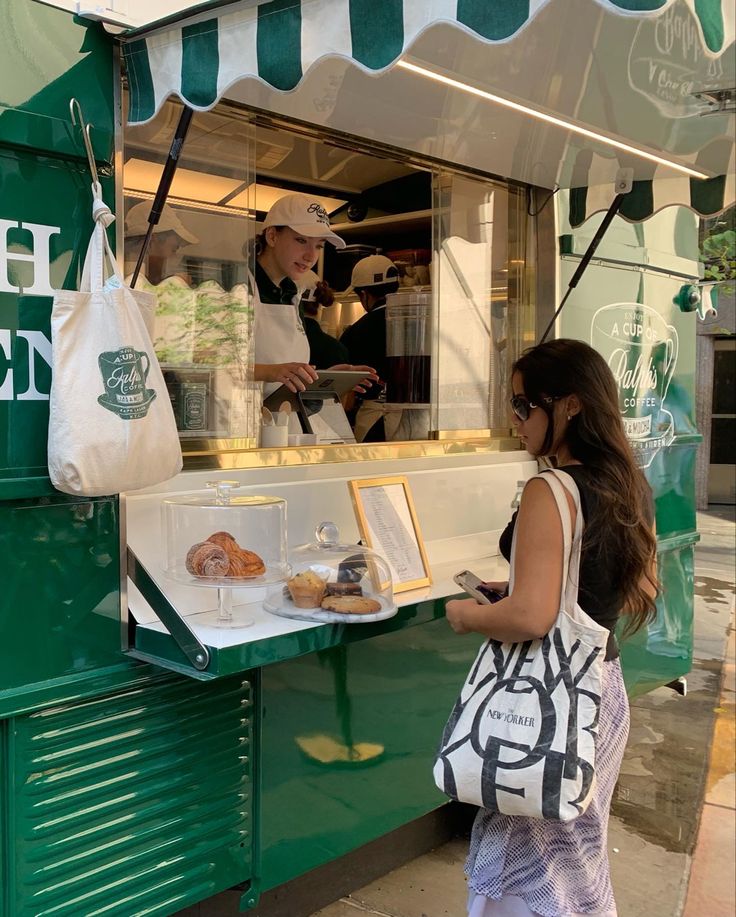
(371, 376)
(295, 376)
(457, 612)
(500, 586)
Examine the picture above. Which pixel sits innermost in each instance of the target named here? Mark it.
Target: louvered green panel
(135, 803)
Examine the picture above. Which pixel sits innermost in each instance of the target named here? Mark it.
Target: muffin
(307, 589)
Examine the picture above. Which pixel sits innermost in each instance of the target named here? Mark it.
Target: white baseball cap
(136, 223)
(374, 271)
(305, 215)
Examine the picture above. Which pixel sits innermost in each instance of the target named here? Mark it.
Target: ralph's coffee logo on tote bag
(124, 374)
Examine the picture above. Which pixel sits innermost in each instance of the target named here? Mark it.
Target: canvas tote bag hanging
(521, 738)
(111, 424)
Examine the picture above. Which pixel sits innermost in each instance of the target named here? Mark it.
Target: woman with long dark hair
(565, 408)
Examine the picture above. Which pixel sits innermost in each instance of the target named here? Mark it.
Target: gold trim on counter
(500, 433)
(230, 456)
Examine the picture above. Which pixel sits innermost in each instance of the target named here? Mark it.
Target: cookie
(351, 605)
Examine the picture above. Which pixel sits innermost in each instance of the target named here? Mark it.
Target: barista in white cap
(373, 279)
(296, 230)
(169, 236)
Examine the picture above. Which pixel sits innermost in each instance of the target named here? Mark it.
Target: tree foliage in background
(718, 249)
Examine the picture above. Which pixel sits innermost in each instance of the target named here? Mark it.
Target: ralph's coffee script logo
(124, 374)
(669, 60)
(641, 349)
(322, 216)
(545, 737)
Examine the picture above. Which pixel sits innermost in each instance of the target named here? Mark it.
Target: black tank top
(599, 593)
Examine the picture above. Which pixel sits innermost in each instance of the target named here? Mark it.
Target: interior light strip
(189, 203)
(550, 119)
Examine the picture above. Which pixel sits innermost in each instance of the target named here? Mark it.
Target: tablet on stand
(322, 413)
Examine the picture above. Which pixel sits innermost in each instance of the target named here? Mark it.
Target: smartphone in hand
(477, 589)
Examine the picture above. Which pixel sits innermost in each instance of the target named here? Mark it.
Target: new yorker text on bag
(521, 738)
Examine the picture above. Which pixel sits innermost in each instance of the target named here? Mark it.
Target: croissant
(225, 540)
(243, 563)
(207, 559)
(246, 563)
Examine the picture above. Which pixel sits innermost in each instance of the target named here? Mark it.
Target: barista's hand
(295, 376)
(371, 375)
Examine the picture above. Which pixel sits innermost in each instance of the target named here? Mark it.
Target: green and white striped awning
(707, 197)
(198, 58)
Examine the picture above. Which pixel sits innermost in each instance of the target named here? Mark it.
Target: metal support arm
(195, 651)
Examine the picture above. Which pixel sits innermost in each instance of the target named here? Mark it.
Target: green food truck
(504, 156)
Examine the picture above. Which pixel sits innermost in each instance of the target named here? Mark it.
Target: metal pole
(164, 185)
(594, 243)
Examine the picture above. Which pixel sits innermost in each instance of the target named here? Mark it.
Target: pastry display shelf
(462, 505)
(271, 639)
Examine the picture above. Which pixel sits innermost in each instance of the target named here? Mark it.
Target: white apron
(279, 333)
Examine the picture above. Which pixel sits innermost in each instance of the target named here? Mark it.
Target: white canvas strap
(98, 250)
(558, 482)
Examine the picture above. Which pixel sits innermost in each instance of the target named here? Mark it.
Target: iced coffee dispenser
(408, 347)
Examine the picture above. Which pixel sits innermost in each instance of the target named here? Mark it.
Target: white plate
(321, 616)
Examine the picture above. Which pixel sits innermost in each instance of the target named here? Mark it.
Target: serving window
(463, 310)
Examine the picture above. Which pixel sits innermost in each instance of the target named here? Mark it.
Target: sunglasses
(522, 406)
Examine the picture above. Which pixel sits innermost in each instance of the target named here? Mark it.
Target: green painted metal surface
(45, 209)
(394, 693)
(663, 651)
(46, 59)
(155, 646)
(59, 570)
(631, 317)
(128, 803)
(59, 567)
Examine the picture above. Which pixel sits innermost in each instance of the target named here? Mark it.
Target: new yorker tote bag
(111, 424)
(521, 738)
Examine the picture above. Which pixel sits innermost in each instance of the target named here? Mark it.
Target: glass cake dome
(332, 581)
(225, 540)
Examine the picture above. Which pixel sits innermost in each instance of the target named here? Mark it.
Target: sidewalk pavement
(712, 888)
(678, 772)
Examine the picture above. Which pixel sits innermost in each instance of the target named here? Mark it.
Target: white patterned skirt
(528, 867)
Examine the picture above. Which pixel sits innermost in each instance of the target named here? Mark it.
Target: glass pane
(722, 438)
(724, 378)
(197, 267)
(482, 301)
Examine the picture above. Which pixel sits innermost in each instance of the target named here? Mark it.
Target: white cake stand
(227, 613)
(227, 616)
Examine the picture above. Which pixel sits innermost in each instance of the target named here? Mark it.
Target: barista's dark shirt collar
(271, 292)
